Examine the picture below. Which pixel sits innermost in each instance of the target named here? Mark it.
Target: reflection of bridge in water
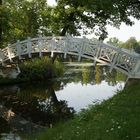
(125, 61)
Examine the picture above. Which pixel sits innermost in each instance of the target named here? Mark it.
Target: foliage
(24, 18)
(114, 119)
(19, 19)
(93, 14)
(69, 17)
(115, 42)
(132, 43)
(40, 69)
(9, 81)
(58, 68)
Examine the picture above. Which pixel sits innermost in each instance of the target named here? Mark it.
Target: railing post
(18, 47)
(9, 53)
(115, 59)
(29, 47)
(40, 45)
(99, 45)
(53, 45)
(81, 48)
(65, 48)
(67, 41)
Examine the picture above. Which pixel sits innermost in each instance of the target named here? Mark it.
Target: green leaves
(132, 44)
(24, 18)
(20, 19)
(40, 69)
(115, 42)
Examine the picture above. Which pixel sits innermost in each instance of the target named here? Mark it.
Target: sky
(123, 34)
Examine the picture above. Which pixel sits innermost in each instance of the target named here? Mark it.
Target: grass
(115, 119)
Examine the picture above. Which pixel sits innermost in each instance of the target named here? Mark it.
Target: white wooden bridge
(125, 61)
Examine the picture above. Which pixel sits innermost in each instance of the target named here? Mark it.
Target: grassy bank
(115, 119)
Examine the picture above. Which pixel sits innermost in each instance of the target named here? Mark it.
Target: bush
(37, 69)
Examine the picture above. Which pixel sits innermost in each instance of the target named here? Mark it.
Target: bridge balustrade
(124, 60)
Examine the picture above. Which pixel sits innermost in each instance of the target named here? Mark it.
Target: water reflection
(30, 107)
(93, 75)
(33, 106)
(98, 74)
(85, 85)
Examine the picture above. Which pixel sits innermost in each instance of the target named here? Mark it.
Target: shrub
(37, 69)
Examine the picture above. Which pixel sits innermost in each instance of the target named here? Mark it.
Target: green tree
(66, 17)
(114, 11)
(115, 42)
(131, 43)
(24, 18)
(19, 19)
(71, 16)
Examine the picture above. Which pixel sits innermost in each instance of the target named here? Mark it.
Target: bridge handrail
(126, 61)
(123, 50)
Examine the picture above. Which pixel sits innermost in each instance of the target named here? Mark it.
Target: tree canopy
(19, 19)
(95, 15)
(132, 44)
(115, 42)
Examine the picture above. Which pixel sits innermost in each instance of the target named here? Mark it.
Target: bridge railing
(124, 59)
(119, 58)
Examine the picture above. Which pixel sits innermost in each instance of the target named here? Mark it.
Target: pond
(31, 107)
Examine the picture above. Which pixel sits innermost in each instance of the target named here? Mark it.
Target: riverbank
(114, 119)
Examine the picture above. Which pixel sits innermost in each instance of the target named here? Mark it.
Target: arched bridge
(124, 60)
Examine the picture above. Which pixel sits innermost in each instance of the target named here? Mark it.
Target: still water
(31, 107)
